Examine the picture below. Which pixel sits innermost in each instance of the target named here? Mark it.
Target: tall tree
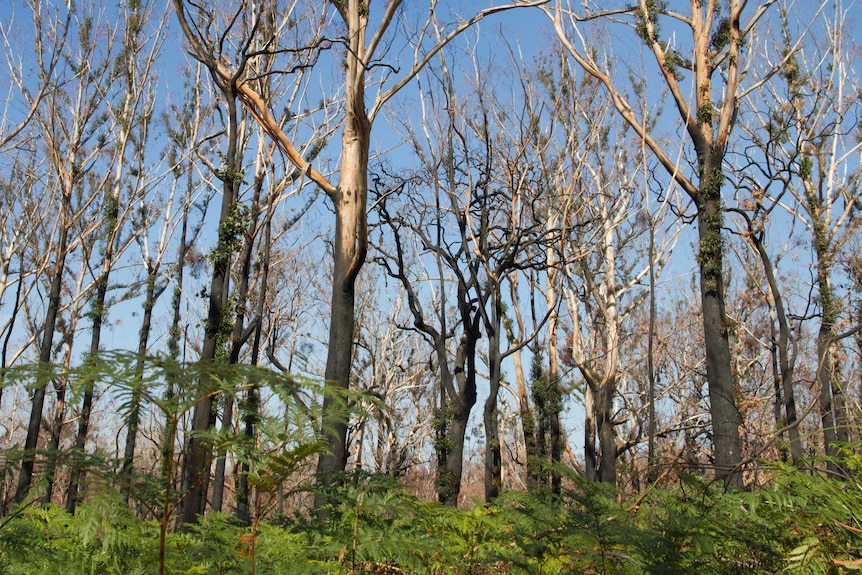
(803, 131)
(456, 370)
(71, 122)
(603, 268)
(156, 224)
(237, 62)
(712, 64)
(133, 68)
(367, 33)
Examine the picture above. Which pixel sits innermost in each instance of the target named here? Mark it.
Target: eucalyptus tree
(704, 79)
(366, 34)
(127, 180)
(603, 261)
(165, 222)
(423, 257)
(467, 217)
(229, 45)
(251, 46)
(73, 123)
(508, 236)
(804, 156)
(269, 187)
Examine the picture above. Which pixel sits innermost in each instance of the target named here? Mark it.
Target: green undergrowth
(802, 523)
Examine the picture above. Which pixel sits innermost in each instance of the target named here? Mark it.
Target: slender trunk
(824, 383)
(4, 350)
(493, 451)
(829, 389)
(198, 455)
(251, 412)
(531, 428)
(555, 429)
(554, 398)
(175, 331)
(175, 334)
(25, 477)
(76, 473)
(98, 312)
(776, 370)
(533, 420)
(53, 447)
(651, 454)
(590, 455)
(221, 460)
(238, 337)
(250, 419)
(134, 417)
(782, 346)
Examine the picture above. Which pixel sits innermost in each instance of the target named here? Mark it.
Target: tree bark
(25, 477)
(493, 448)
(722, 388)
(198, 454)
(349, 250)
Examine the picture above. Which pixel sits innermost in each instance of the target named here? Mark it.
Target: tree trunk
(831, 395)
(251, 411)
(198, 454)
(652, 473)
(60, 387)
(221, 460)
(77, 470)
(531, 424)
(238, 336)
(722, 389)
(784, 374)
(590, 455)
(493, 450)
(554, 398)
(25, 477)
(4, 349)
(607, 471)
(133, 421)
(349, 200)
(456, 413)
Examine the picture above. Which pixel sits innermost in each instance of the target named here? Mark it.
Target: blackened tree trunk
(457, 402)
(152, 294)
(25, 477)
(198, 454)
(98, 312)
(61, 384)
(490, 415)
(726, 420)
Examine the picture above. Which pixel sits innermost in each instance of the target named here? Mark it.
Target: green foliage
(646, 21)
(803, 522)
(722, 35)
(231, 233)
(104, 537)
(823, 517)
(225, 173)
